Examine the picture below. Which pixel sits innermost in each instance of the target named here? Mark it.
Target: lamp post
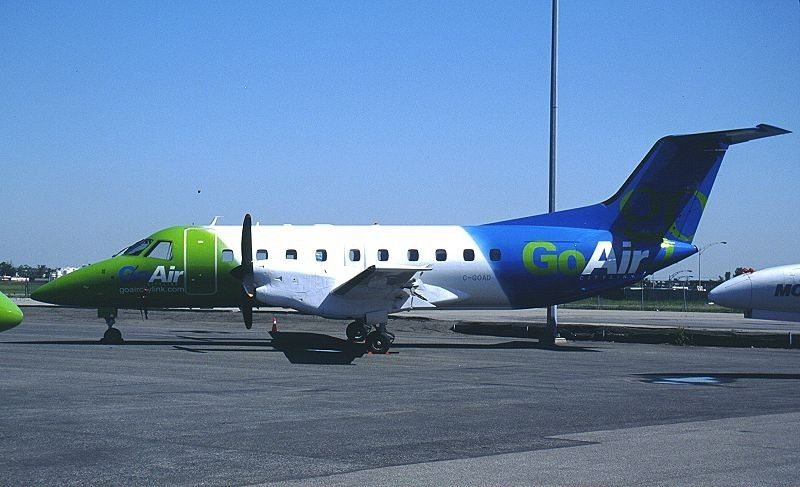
(676, 274)
(700, 251)
(685, 287)
(552, 310)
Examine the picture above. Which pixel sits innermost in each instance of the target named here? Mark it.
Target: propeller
(244, 273)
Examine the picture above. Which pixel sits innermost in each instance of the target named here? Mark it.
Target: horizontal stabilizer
(743, 135)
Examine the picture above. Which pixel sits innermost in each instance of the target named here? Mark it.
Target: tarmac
(193, 398)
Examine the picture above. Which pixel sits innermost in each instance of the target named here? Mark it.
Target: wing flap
(376, 281)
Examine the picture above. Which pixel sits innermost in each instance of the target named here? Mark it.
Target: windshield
(136, 248)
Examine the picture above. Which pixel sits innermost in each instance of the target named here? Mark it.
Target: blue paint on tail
(647, 225)
(665, 195)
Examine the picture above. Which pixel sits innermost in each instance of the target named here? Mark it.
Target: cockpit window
(136, 248)
(161, 250)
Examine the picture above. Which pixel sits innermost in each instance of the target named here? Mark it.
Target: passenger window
(162, 250)
(441, 255)
(413, 255)
(291, 254)
(261, 254)
(227, 255)
(494, 255)
(321, 255)
(355, 255)
(383, 255)
(469, 255)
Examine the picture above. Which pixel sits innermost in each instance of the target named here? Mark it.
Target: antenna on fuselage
(214, 221)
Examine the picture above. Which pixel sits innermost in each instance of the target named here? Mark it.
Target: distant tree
(6, 269)
(743, 270)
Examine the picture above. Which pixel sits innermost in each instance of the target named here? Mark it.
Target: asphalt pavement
(194, 398)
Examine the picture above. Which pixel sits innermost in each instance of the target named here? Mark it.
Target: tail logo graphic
(658, 209)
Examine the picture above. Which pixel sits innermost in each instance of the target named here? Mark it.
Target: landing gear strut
(112, 336)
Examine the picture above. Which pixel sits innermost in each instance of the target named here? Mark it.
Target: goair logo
(131, 273)
(542, 258)
(604, 258)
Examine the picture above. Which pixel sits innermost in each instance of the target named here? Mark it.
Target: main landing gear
(378, 340)
(112, 336)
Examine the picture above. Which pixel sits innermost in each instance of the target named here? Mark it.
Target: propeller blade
(248, 280)
(247, 314)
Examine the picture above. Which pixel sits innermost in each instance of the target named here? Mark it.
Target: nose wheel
(112, 336)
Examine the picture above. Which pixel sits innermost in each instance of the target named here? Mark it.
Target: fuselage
(772, 293)
(479, 267)
(10, 314)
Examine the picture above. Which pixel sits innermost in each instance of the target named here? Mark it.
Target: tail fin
(665, 195)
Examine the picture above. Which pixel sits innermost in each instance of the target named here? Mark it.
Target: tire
(378, 342)
(112, 336)
(356, 332)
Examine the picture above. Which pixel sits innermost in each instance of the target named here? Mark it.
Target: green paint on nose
(10, 314)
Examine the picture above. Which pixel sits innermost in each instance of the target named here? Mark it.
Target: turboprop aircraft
(366, 273)
(768, 294)
(10, 314)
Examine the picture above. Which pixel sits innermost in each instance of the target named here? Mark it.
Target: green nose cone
(10, 314)
(46, 293)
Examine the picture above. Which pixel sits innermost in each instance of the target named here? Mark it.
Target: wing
(374, 282)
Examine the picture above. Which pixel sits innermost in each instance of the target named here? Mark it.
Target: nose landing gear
(112, 336)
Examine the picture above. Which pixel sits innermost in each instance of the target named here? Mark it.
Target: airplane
(768, 294)
(10, 314)
(366, 273)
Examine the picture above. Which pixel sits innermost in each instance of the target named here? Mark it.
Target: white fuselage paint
(472, 282)
(773, 290)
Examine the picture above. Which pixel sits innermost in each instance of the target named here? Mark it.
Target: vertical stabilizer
(666, 194)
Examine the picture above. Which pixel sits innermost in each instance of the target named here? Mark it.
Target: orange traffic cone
(274, 324)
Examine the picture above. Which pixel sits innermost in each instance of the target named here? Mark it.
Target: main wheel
(112, 336)
(356, 331)
(378, 342)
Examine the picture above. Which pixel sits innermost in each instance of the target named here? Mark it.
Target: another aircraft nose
(736, 293)
(10, 314)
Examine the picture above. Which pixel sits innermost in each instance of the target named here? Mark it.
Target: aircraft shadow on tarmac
(305, 348)
(711, 378)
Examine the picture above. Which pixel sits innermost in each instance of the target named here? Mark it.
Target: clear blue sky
(114, 114)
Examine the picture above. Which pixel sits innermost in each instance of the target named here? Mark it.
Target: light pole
(552, 310)
(676, 274)
(700, 251)
(685, 287)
